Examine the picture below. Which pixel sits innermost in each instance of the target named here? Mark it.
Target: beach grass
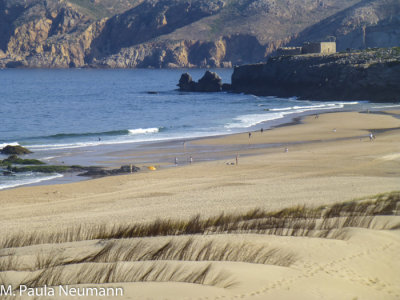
(182, 250)
(116, 273)
(187, 249)
(296, 221)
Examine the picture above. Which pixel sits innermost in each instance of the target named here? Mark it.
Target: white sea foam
(76, 145)
(246, 121)
(386, 106)
(302, 107)
(350, 103)
(315, 107)
(136, 139)
(135, 133)
(143, 131)
(51, 157)
(25, 181)
(84, 144)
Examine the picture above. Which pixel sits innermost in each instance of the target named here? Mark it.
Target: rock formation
(368, 75)
(186, 83)
(17, 150)
(210, 82)
(100, 172)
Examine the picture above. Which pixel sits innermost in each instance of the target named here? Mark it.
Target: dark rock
(11, 158)
(186, 83)
(40, 169)
(226, 87)
(210, 82)
(14, 64)
(100, 172)
(14, 159)
(18, 150)
(372, 75)
(8, 173)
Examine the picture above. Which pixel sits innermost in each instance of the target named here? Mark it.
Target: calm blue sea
(53, 110)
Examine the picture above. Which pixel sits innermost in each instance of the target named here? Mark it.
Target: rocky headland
(372, 75)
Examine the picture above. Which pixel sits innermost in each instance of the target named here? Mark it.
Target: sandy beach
(316, 163)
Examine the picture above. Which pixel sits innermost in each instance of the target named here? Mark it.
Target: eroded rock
(18, 150)
(210, 82)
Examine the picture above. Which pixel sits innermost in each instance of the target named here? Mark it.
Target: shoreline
(164, 158)
(214, 148)
(67, 178)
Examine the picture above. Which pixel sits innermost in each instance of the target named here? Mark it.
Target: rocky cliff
(367, 75)
(183, 33)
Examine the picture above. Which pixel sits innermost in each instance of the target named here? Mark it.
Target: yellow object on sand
(152, 168)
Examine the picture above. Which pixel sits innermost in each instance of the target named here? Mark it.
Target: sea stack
(210, 82)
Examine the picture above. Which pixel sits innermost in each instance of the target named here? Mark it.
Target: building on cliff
(321, 48)
(308, 48)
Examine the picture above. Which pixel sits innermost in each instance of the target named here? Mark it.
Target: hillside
(183, 33)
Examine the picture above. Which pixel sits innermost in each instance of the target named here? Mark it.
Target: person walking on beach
(249, 134)
(176, 161)
(237, 159)
(191, 159)
(371, 137)
(262, 130)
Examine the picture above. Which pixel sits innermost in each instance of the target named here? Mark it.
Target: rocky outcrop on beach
(182, 33)
(17, 150)
(368, 75)
(8, 167)
(14, 159)
(101, 172)
(210, 82)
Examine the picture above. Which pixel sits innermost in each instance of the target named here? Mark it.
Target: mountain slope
(183, 33)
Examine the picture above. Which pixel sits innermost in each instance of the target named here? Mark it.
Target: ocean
(56, 113)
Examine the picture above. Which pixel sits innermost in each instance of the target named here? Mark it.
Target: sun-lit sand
(329, 159)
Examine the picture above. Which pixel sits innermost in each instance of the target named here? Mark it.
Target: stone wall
(311, 48)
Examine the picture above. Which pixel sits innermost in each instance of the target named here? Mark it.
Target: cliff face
(46, 34)
(368, 75)
(367, 24)
(183, 33)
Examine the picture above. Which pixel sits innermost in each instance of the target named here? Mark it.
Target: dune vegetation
(159, 251)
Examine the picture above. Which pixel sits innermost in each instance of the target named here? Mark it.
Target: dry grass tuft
(101, 273)
(295, 221)
(190, 250)
(9, 262)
